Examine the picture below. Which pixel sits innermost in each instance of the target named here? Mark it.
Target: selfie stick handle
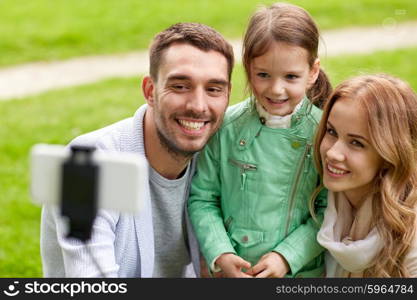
(79, 191)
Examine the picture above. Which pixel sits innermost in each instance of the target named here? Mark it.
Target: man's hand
(271, 265)
(232, 266)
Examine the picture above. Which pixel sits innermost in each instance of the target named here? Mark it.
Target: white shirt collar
(273, 121)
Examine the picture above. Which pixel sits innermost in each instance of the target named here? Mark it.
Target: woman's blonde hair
(391, 109)
(291, 24)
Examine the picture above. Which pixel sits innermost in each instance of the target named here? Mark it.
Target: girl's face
(350, 162)
(280, 77)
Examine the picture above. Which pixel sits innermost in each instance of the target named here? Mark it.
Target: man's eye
(214, 89)
(179, 87)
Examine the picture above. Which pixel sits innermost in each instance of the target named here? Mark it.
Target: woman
(366, 153)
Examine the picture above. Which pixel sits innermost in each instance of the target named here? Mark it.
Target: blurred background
(45, 31)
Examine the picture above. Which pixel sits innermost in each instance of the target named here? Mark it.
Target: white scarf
(351, 242)
(273, 121)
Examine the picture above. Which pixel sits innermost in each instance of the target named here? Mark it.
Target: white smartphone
(121, 181)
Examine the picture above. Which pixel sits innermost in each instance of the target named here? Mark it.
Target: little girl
(249, 200)
(366, 151)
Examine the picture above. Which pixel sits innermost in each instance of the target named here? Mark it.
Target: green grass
(399, 63)
(49, 30)
(58, 116)
(55, 117)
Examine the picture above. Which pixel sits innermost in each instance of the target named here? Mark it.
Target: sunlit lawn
(49, 30)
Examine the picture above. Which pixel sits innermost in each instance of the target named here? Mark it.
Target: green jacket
(251, 191)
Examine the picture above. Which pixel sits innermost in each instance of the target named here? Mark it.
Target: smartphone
(122, 177)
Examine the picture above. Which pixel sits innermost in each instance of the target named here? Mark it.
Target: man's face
(189, 98)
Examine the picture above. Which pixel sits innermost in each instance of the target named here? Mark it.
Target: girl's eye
(331, 131)
(357, 143)
(262, 75)
(291, 76)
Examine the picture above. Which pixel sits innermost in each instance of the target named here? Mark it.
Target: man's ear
(314, 73)
(148, 88)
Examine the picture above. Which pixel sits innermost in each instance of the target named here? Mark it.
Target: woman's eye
(357, 143)
(331, 131)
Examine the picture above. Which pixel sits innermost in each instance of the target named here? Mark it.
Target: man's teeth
(191, 125)
(336, 171)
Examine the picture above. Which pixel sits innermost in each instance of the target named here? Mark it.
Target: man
(187, 93)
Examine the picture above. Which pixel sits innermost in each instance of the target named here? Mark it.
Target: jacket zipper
(243, 168)
(295, 185)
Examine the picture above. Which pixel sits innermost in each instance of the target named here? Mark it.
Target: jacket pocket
(246, 238)
(244, 169)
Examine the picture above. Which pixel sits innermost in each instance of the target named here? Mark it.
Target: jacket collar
(302, 112)
(250, 124)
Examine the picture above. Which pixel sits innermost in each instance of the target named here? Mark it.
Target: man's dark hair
(198, 35)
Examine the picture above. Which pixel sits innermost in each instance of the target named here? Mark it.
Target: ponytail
(321, 90)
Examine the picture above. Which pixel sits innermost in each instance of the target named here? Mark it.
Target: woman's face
(350, 162)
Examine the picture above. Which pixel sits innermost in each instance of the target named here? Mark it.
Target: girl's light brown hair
(282, 22)
(391, 110)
